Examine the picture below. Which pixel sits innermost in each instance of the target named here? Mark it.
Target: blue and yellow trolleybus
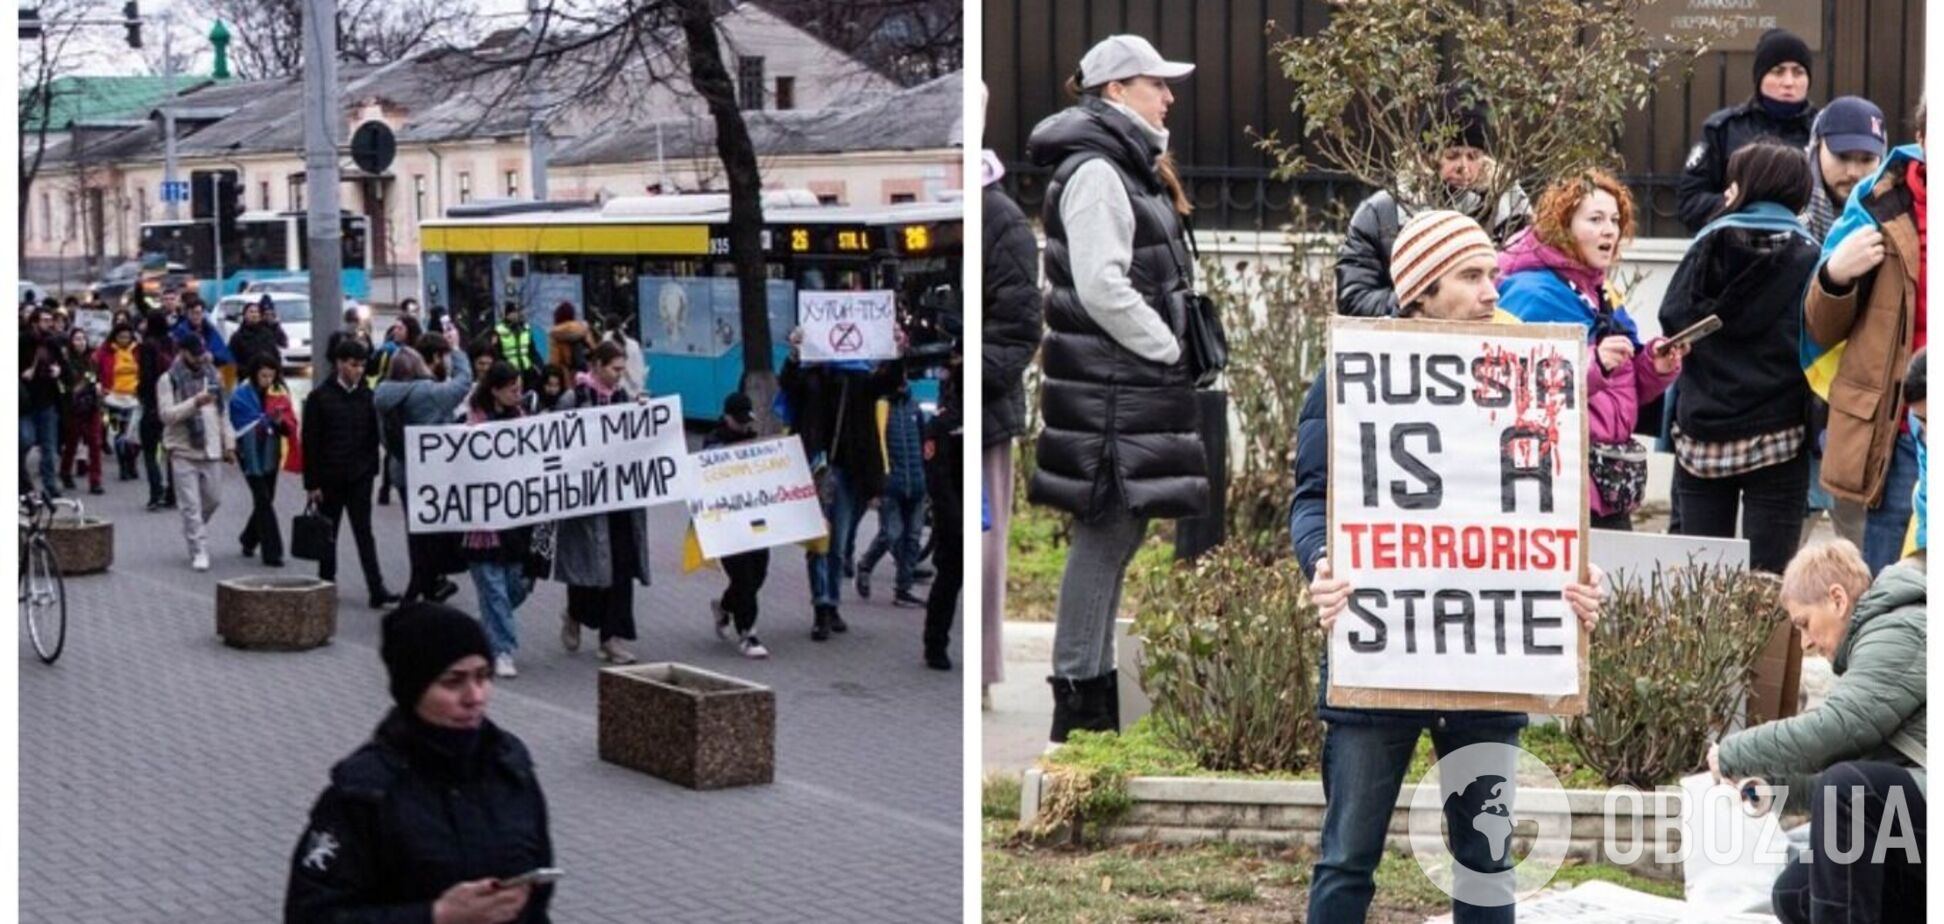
(659, 267)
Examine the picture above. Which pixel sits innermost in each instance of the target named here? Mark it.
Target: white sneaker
(200, 562)
(503, 666)
(753, 649)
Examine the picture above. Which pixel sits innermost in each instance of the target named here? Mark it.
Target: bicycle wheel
(44, 600)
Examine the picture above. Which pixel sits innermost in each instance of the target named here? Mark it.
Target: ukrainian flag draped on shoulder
(1819, 362)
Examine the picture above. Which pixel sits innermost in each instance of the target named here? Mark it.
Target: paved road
(165, 777)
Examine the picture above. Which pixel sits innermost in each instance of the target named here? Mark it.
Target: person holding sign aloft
(1121, 445)
(600, 557)
(1442, 267)
(1742, 426)
(1556, 271)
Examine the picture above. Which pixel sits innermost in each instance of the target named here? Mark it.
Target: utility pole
(323, 123)
(170, 208)
(538, 149)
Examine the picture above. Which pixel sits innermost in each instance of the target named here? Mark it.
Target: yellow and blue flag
(1819, 363)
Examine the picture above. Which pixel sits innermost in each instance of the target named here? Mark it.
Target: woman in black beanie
(424, 821)
(1779, 109)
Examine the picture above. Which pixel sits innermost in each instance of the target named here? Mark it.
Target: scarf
(1527, 252)
(1822, 211)
(1156, 137)
(594, 385)
(1758, 216)
(1781, 111)
(187, 384)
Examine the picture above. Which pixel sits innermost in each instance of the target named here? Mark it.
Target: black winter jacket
(1363, 279)
(340, 435)
(1121, 432)
(1309, 533)
(403, 821)
(1746, 379)
(1727, 131)
(1011, 328)
(256, 340)
(815, 394)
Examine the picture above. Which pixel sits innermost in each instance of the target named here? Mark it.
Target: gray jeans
(1090, 594)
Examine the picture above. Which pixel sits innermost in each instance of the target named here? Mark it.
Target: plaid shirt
(1723, 460)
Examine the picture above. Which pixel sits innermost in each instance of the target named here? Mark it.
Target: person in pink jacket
(1556, 272)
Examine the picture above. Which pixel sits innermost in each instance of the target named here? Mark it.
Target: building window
(296, 192)
(465, 187)
(512, 184)
(47, 217)
(786, 93)
(749, 82)
(902, 198)
(418, 196)
(141, 203)
(263, 195)
(73, 219)
(828, 199)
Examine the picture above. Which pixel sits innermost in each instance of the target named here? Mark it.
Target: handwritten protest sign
(548, 467)
(1457, 512)
(840, 326)
(753, 496)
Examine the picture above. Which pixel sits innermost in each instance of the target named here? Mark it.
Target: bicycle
(43, 593)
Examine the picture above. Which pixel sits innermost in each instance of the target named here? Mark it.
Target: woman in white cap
(1120, 445)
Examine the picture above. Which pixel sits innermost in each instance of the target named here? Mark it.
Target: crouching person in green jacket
(1858, 760)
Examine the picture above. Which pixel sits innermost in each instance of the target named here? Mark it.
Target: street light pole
(537, 146)
(323, 122)
(168, 114)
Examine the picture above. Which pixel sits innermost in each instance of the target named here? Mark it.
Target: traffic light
(133, 18)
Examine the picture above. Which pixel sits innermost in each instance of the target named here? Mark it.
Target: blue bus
(659, 267)
(265, 245)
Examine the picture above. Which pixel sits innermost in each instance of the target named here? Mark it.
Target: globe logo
(1490, 824)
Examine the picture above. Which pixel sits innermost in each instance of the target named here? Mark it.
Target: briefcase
(312, 535)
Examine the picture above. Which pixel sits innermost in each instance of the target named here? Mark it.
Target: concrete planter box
(84, 546)
(276, 613)
(1192, 810)
(693, 727)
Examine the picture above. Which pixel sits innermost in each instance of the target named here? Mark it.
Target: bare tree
(43, 62)
(269, 34)
(910, 41)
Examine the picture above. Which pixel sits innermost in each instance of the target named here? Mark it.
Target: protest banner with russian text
(1457, 513)
(839, 326)
(754, 496)
(529, 470)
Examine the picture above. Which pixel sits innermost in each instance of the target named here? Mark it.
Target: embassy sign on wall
(1458, 506)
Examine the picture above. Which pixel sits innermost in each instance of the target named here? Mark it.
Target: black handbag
(312, 535)
(1204, 341)
(823, 475)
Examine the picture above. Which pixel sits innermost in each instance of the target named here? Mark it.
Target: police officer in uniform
(1779, 109)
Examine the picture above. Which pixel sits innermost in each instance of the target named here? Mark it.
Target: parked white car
(293, 313)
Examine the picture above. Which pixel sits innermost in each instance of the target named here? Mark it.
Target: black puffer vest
(1120, 431)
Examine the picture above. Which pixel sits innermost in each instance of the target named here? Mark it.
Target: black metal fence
(1870, 48)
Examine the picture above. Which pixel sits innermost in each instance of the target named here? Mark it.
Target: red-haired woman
(1556, 272)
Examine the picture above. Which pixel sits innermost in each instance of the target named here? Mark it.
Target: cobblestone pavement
(165, 777)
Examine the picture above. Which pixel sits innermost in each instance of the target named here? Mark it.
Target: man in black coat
(340, 442)
(1011, 332)
(1779, 109)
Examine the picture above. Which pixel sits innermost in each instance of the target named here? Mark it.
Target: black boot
(1084, 705)
(820, 630)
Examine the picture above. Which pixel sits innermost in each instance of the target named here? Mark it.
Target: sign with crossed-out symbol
(840, 326)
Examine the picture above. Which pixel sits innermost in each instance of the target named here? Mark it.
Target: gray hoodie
(426, 402)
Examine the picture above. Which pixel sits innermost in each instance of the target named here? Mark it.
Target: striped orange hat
(1430, 246)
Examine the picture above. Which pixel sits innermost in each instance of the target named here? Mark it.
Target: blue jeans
(1887, 523)
(827, 570)
(901, 523)
(1363, 771)
(502, 587)
(41, 428)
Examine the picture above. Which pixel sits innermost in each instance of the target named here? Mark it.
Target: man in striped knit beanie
(1443, 268)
